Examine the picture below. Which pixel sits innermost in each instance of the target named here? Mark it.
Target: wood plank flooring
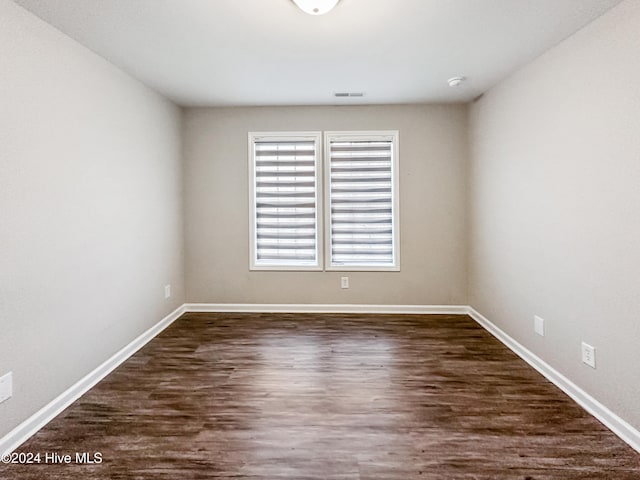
(292, 396)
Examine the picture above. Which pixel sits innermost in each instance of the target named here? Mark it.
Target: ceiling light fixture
(316, 7)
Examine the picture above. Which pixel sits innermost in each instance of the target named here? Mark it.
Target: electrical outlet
(167, 291)
(6, 386)
(538, 325)
(588, 355)
(344, 282)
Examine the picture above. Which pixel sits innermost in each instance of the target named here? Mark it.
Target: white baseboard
(612, 421)
(30, 426)
(326, 308)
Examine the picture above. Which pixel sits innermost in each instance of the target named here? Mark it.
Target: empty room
(320, 239)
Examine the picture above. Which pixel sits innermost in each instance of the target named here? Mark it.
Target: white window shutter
(362, 202)
(285, 201)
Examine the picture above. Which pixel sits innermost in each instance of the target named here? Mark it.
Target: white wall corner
(612, 421)
(35, 422)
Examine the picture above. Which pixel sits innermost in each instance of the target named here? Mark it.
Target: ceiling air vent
(349, 94)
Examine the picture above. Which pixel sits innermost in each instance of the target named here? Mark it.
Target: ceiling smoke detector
(316, 7)
(455, 81)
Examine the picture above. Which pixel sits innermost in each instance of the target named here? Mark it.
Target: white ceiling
(267, 52)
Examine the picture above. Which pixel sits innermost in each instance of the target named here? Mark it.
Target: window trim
(392, 135)
(316, 136)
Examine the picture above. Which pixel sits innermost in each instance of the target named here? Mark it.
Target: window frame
(316, 136)
(365, 135)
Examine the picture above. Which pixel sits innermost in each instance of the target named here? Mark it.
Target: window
(360, 198)
(284, 201)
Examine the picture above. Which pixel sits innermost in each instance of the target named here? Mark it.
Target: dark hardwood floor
(291, 396)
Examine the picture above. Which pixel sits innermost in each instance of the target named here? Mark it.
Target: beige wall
(432, 207)
(555, 206)
(90, 210)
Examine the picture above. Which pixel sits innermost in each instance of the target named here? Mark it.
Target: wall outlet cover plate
(6, 386)
(589, 355)
(538, 325)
